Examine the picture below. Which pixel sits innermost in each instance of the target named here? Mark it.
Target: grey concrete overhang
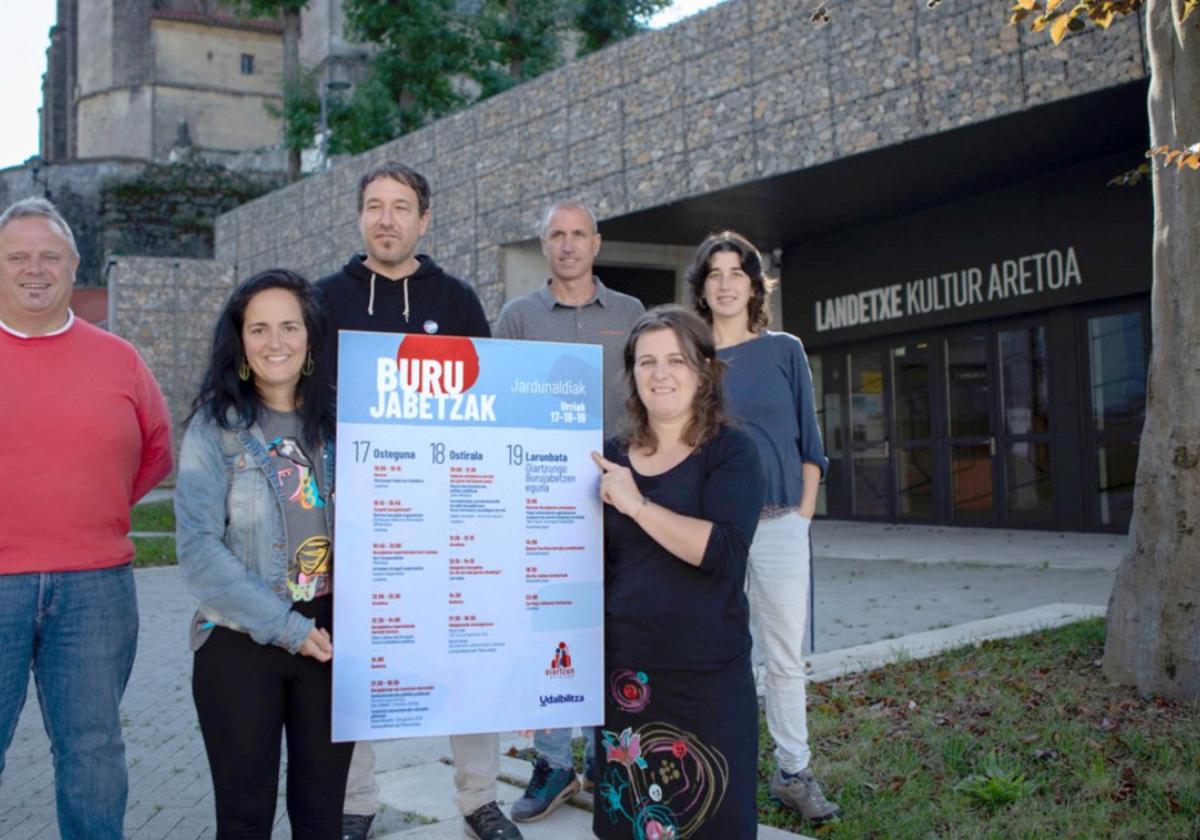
(848, 192)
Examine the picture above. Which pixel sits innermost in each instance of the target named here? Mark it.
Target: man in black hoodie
(392, 288)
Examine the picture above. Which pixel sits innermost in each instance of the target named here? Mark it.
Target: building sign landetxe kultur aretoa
(1040, 274)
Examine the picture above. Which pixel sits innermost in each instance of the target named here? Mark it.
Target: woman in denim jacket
(254, 511)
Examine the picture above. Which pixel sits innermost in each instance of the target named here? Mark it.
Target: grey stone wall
(169, 209)
(132, 48)
(746, 90)
(167, 308)
(125, 206)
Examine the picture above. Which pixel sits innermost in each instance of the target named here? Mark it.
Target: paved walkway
(874, 582)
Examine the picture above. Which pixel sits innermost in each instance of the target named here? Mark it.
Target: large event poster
(468, 583)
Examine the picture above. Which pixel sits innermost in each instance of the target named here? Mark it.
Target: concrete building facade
(929, 182)
(734, 96)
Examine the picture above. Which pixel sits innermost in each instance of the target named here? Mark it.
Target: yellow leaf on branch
(1058, 29)
(1061, 18)
(1189, 156)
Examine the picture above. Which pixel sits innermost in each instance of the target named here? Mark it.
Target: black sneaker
(548, 788)
(489, 823)
(356, 826)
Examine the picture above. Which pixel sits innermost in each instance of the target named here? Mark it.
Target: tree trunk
(515, 68)
(1154, 610)
(291, 74)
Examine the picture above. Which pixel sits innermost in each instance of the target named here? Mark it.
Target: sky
(25, 36)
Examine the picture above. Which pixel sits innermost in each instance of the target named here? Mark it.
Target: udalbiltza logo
(553, 699)
(561, 665)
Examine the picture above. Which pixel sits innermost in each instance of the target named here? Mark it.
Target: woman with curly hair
(770, 393)
(682, 491)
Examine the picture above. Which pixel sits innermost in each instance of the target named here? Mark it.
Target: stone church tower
(123, 76)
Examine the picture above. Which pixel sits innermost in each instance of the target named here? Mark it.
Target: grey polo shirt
(605, 319)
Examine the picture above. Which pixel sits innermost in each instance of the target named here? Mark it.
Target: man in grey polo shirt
(573, 306)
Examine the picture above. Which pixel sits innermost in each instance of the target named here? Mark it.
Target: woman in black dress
(682, 489)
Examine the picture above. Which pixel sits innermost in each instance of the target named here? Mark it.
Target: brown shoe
(802, 793)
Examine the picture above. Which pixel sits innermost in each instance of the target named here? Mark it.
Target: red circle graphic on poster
(437, 364)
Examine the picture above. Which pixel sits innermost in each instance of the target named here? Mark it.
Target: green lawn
(153, 551)
(1021, 738)
(154, 516)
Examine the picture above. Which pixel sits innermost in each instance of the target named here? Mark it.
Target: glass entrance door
(870, 449)
(971, 436)
(1117, 344)
(1025, 427)
(1028, 422)
(916, 479)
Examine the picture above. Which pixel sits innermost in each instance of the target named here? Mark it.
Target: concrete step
(854, 660)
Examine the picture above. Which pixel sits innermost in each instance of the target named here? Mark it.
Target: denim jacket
(232, 534)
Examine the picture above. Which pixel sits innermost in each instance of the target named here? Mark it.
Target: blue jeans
(555, 746)
(77, 631)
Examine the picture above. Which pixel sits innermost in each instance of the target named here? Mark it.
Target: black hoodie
(427, 301)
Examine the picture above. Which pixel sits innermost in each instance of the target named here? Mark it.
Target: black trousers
(246, 696)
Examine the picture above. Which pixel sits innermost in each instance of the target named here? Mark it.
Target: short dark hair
(222, 388)
(696, 341)
(397, 172)
(761, 285)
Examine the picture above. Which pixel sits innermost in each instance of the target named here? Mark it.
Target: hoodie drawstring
(371, 299)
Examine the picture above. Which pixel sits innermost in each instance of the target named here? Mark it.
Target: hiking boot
(548, 788)
(488, 822)
(356, 826)
(802, 793)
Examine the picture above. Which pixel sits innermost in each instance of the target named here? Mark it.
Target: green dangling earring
(244, 371)
(309, 365)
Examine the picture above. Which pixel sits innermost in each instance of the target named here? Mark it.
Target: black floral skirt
(677, 755)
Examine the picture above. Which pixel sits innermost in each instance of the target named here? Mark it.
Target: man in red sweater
(84, 433)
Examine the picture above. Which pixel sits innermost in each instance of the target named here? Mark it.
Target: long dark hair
(696, 341)
(761, 286)
(222, 388)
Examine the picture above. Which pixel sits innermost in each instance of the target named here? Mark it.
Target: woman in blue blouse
(682, 491)
(769, 391)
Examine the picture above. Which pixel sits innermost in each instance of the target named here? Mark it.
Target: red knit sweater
(84, 433)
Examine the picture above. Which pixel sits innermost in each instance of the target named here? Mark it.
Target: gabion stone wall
(746, 90)
(167, 309)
